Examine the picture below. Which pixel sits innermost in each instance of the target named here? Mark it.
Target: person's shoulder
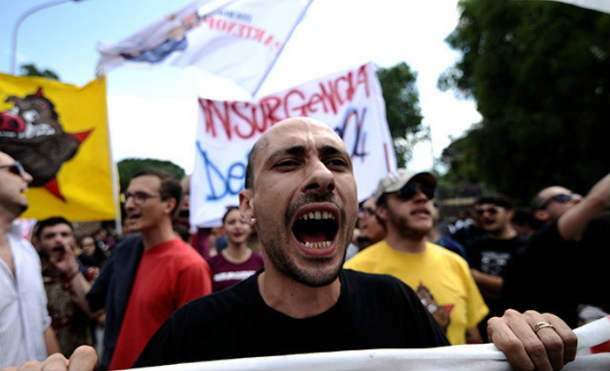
(451, 257)
(23, 247)
(220, 304)
(370, 254)
(126, 244)
(369, 280)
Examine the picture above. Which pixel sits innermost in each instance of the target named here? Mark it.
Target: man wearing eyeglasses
(148, 276)
(404, 202)
(25, 325)
(564, 265)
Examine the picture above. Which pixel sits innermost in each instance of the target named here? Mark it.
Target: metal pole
(21, 19)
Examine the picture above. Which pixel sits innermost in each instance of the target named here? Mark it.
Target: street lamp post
(21, 19)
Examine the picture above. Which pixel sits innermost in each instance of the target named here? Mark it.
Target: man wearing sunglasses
(25, 325)
(550, 203)
(148, 276)
(404, 203)
(563, 266)
(490, 254)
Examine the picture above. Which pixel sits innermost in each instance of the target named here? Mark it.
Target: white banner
(479, 357)
(235, 39)
(350, 102)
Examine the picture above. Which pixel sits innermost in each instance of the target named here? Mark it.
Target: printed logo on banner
(31, 133)
(59, 133)
(350, 102)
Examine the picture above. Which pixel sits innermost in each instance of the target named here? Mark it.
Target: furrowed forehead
(296, 135)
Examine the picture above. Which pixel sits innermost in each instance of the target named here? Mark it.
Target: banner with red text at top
(59, 133)
(349, 102)
(235, 39)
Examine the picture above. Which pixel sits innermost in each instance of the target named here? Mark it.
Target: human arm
(67, 264)
(573, 222)
(549, 348)
(50, 341)
(490, 285)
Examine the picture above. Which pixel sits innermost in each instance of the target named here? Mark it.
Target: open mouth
(133, 217)
(421, 212)
(316, 229)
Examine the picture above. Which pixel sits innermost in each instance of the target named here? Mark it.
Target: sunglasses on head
(490, 210)
(562, 198)
(14, 168)
(410, 190)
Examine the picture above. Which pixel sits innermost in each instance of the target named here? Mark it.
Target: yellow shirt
(441, 279)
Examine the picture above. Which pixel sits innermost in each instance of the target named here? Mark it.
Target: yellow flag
(59, 133)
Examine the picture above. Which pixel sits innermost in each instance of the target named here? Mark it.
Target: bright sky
(149, 112)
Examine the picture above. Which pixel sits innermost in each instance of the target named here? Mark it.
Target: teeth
(317, 245)
(317, 215)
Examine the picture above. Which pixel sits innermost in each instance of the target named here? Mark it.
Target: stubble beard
(406, 229)
(318, 273)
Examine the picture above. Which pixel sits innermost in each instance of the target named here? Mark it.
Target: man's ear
(171, 204)
(541, 216)
(381, 212)
(246, 204)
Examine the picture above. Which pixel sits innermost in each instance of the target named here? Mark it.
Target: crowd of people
(297, 267)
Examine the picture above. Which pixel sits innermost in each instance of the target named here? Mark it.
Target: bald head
(275, 133)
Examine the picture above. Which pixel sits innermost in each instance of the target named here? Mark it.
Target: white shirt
(23, 305)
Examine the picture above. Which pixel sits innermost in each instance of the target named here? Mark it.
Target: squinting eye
(337, 162)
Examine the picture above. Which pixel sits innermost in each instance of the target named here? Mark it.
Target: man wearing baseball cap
(442, 279)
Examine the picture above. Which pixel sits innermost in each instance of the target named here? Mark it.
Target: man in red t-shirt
(148, 277)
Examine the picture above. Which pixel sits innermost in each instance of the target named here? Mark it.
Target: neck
(6, 223)
(155, 236)
(236, 253)
(505, 233)
(295, 299)
(413, 244)
(433, 235)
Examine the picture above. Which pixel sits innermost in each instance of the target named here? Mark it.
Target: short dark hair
(249, 171)
(229, 209)
(498, 200)
(50, 222)
(170, 186)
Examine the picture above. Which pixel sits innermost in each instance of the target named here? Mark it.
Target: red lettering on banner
(270, 105)
(243, 31)
(209, 109)
(258, 35)
(245, 120)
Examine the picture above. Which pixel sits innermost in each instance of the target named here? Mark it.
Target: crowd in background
(494, 256)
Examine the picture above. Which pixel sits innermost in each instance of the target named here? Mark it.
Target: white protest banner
(236, 39)
(472, 357)
(350, 102)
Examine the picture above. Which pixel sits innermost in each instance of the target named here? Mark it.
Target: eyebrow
(301, 151)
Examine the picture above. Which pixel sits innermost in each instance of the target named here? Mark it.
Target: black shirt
(373, 311)
(555, 275)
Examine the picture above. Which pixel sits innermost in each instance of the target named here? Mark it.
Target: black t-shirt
(555, 275)
(373, 311)
(492, 255)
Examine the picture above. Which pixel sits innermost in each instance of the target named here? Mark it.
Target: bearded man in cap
(442, 279)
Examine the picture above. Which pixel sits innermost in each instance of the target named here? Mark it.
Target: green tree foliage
(32, 70)
(402, 109)
(539, 71)
(130, 166)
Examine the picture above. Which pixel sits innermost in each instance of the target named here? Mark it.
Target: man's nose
(27, 177)
(321, 178)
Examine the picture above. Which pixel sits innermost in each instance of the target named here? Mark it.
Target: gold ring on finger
(542, 324)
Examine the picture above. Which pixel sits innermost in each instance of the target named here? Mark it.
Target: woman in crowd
(237, 261)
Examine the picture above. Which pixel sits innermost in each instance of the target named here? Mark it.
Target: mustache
(309, 198)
